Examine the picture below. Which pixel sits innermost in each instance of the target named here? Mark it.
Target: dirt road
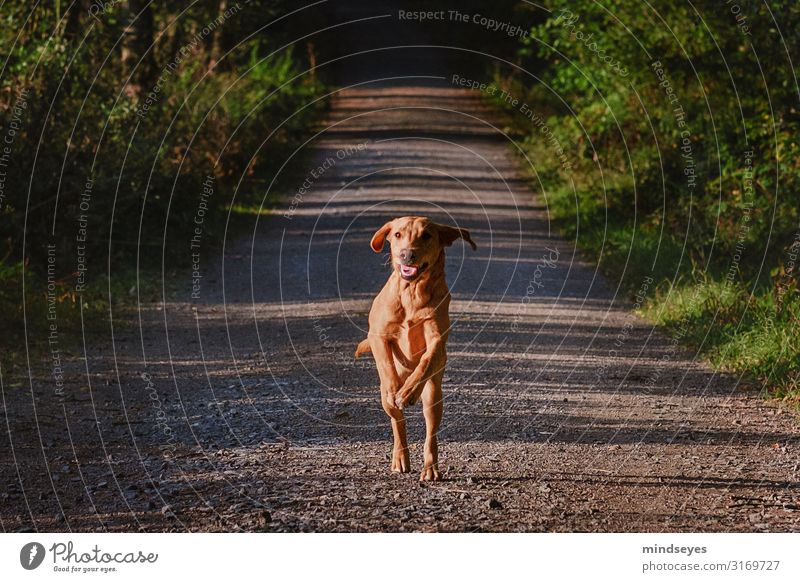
(243, 408)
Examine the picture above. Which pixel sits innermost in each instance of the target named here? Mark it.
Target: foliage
(119, 123)
(680, 122)
(144, 137)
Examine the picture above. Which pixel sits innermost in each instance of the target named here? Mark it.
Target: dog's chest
(413, 300)
(401, 309)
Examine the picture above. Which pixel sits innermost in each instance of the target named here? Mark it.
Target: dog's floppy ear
(447, 234)
(380, 237)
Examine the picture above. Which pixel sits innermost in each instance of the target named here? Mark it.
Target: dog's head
(416, 243)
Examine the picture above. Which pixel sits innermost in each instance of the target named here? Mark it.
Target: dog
(408, 327)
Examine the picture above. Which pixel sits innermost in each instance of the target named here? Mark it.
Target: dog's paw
(430, 473)
(399, 401)
(401, 462)
(405, 398)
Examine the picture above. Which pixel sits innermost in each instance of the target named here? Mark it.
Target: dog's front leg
(390, 384)
(431, 362)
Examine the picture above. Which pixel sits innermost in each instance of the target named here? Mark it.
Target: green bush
(118, 125)
(680, 125)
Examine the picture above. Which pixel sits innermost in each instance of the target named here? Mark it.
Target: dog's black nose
(407, 256)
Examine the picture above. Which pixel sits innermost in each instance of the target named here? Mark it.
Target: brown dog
(408, 326)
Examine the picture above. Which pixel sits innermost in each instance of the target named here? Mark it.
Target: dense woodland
(141, 101)
(679, 124)
(129, 118)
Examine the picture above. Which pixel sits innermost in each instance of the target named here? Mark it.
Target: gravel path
(245, 409)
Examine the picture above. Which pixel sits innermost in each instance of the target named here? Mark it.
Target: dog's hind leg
(432, 408)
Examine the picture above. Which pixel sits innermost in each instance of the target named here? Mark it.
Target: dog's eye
(397, 235)
(426, 235)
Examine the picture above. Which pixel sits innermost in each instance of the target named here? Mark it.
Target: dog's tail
(363, 348)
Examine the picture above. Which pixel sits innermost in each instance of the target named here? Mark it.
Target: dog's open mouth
(409, 272)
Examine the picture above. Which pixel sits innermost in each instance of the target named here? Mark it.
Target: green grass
(734, 329)
(26, 322)
(250, 209)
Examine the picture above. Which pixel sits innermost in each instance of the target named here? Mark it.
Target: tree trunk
(214, 41)
(138, 50)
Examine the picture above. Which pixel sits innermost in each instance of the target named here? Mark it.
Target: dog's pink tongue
(408, 270)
